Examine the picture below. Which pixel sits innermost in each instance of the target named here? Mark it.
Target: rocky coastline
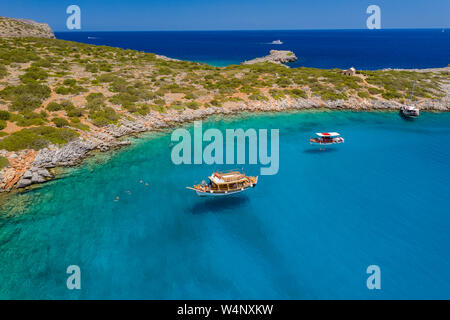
(275, 56)
(30, 167)
(13, 28)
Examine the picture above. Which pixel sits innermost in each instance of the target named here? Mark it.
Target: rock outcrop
(275, 56)
(10, 27)
(34, 175)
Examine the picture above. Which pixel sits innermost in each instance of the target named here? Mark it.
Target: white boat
(410, 111)
(276, 42)
(225, 184)
(327, 138)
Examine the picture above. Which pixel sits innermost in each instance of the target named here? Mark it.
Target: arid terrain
(60, 99)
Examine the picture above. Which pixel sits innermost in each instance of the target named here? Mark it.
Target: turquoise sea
(309, 232)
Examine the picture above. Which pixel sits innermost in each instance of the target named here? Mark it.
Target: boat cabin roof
(410, 107)
(228, 177)
(328, 134)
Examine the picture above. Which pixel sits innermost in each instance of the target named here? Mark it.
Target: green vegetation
(5, 115)
(3, 71)
(193, 105)
(25, 96)
(37, 138)
(258, 97)
(54, 106)
(103, 117)
(398, 84)
(69, 87)
(3, 162)
(17, 55)
(108, 84)
(29, 118)
(364, 94)
(34, 73)
(76, 123)
(60, 122)
(297, 93)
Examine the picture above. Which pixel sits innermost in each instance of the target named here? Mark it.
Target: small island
(275, 56)
(59, 100)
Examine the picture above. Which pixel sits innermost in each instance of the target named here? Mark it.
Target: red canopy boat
(326, 138)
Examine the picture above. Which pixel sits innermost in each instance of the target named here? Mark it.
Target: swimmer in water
(117, 199)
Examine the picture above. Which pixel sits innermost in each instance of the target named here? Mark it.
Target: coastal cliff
(10, 28)
(60, 100)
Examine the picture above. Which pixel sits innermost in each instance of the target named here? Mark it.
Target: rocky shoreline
(32, 167)
(275, 56)
(14, 28)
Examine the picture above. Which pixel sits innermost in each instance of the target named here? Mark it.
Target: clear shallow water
(363, 49)
(308, 232)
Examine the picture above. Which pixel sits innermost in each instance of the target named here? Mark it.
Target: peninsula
(59, 100)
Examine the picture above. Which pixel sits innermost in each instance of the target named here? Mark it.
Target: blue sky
(231, 14)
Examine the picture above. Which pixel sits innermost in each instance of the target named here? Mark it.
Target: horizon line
(228, 30)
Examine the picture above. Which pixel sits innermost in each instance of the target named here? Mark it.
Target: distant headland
(10, 28)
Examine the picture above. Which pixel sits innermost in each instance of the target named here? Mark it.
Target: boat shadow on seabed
(318, 150)
(216, 205)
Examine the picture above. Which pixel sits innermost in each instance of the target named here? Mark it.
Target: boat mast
(412, 90)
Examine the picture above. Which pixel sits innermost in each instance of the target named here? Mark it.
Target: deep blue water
(308, 232)
(363, 49)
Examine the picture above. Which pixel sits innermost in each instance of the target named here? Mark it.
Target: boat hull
(218, 194)
(410, 113)
(410, 116)
(223, 194)
(205, 191)
(326, 143)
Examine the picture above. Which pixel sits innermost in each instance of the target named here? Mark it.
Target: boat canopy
(328, 134)
(225, 178)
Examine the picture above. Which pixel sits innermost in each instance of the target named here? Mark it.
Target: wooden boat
(327, 138)
(225, 183)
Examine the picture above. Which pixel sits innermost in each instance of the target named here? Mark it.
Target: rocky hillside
(59, 100)
(10, 27)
